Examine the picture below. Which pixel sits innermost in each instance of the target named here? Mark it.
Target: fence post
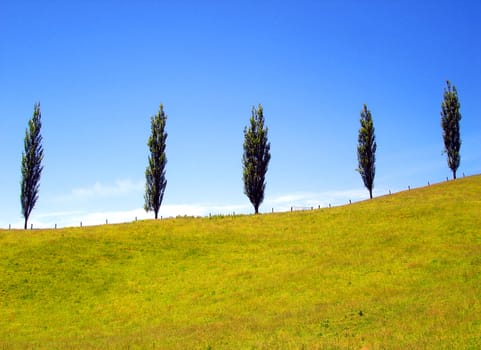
(329, 205)
(31, 226)
(9, 226)
(349, 201)
(55, 226)
(80, 223)
(291, 208)
(106, 221)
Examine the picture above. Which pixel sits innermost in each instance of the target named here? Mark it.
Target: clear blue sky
(100, 69)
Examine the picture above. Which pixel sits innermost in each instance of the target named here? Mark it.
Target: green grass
(396, 272)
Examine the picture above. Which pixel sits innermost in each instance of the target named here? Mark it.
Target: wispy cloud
(315, 199)
(58, 214)
(97, 191)
(119, 187)
(85, 218)
(290, 198)
(279, 203)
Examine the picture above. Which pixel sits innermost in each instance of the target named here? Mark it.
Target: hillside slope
(396, 272)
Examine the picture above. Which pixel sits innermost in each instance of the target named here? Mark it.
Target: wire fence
(293, 208)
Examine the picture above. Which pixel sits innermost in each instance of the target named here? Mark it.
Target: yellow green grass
(396, 272)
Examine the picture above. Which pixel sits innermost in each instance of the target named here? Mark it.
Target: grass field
(397, 272)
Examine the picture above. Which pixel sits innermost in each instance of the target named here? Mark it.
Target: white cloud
(58, 214)
(75, 218)
(279, 203)
(289, 198)
(120, 187)
(315, 199)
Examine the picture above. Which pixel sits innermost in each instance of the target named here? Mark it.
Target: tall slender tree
(155, 172)
(366, 150)
(450, 117)
(31, 164)
(256, 158)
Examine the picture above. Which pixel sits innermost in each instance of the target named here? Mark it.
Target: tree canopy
(155, 172)
(450, 117)
(366, 150)
(256, 158)
(31, 168)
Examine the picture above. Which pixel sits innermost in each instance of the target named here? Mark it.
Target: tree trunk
(454, 174)
(256, 208)
(156, 214)
(25, 227)
(370, 193)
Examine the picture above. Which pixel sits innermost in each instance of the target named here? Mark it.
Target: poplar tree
(155, 172)
(450, 117)
(366, 150)
(256, 158)
(31, 164)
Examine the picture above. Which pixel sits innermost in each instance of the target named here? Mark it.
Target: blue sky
(100, 69)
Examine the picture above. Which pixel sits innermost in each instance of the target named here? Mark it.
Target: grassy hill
(396, 272)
